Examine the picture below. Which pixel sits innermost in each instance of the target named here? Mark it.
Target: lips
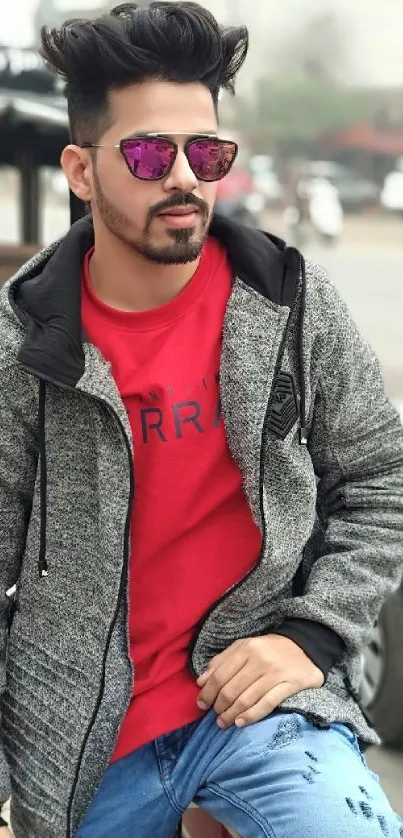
(180, 211)
(180, 217)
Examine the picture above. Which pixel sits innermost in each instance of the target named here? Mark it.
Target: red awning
(366, 137)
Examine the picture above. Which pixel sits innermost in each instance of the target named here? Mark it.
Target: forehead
(162, 106)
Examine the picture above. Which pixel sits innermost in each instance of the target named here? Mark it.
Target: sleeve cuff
(321, 644)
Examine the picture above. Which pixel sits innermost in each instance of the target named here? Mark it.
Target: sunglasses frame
(192, 141)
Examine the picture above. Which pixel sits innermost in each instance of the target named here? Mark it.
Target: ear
(77, 165)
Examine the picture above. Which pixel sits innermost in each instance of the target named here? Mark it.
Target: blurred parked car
(355, 192)
(238, 198)
(392, 192)
(382, 671)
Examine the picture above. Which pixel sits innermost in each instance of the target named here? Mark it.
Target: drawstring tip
(43, 569)
(303, 436)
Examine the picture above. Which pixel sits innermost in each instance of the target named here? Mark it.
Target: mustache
(184, 200)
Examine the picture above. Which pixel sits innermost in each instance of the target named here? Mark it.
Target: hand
(5, 832)
(252, 677)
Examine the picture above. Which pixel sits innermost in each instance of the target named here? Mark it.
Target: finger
(267, 704)
(216, 661)
(237, 686)
(221, 676)
(204, 678)
(245, 700)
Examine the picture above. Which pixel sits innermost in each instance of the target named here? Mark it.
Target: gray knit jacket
(320, 449)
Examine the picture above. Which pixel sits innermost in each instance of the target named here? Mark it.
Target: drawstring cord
(303, 432)
(42, 563)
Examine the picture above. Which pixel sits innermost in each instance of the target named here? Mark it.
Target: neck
(127, 281)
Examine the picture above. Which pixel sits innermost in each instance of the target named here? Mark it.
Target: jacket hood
(46, 293)
(46, 297)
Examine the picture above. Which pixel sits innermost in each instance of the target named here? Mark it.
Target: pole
(30, 223)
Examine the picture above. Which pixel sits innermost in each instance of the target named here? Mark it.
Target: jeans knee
(360, 818)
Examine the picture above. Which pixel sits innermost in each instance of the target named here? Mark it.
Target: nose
(181, 177)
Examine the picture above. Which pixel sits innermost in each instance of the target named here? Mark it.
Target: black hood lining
(49, 303)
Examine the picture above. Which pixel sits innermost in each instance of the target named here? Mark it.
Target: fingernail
(202, 705)
(221, 724)
(240, 723)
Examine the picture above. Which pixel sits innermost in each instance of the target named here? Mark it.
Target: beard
(185, 247)
(186, 244)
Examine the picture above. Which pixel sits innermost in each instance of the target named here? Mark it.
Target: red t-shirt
(192, 533)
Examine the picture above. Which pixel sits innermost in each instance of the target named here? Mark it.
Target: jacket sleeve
(355, 560)
(18, 462)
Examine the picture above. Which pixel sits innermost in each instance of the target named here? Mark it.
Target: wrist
(320, 643)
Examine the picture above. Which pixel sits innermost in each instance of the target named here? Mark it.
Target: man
(201, 481)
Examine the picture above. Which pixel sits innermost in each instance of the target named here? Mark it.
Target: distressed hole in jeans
(351, 805)
(310, 775)
(384, 825)
(365, 793)
(288, 731)
(311, 756)
(366, 810)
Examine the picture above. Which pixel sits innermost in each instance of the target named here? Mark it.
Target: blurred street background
(320, 103)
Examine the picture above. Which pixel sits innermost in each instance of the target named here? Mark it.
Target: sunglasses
(151, 157)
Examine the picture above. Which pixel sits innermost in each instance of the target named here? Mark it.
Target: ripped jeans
(280, 778)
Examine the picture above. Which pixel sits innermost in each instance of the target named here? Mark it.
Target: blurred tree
(306, 95)
(319, 50)
(287, 115)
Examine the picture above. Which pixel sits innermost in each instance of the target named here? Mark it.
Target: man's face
(132, 209)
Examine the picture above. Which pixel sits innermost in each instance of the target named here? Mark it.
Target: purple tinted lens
(148, 158)
(211, 159)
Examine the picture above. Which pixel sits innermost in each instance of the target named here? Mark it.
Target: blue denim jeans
(280, 778)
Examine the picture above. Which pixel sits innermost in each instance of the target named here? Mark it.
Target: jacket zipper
(238, 584)
(127, 553)
(123, 577)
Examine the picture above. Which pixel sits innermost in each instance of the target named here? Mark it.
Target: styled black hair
(170, 41)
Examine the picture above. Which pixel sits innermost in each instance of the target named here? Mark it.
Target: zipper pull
(303, 436)
(43, 568)
(12, 595)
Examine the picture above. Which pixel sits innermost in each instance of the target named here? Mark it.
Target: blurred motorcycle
(317, 213)
(325, 211)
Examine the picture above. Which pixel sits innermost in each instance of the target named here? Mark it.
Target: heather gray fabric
(60, 664)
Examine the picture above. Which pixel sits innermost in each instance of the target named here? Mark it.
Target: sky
(374, 28)
(11, 32)
(16, 20)
(15, 33)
